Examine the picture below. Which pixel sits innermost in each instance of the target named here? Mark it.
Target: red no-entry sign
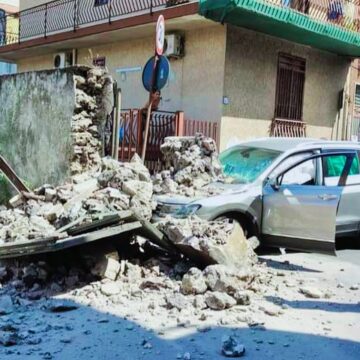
(160, 35)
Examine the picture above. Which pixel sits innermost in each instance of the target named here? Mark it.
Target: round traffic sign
(156, 78)
(160, 35)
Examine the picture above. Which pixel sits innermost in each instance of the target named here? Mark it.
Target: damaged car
(292, 193)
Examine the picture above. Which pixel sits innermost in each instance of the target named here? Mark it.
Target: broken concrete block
(193, 282)
(219, 278)
(50, 194)
(219, 301)
(311, 292)
(231, 347)
(177, 301)
(16, 201)
(206, 243)
(54, 213)
(107, 267)
(110, 289)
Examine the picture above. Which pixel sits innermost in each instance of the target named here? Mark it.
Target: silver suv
(292, 193)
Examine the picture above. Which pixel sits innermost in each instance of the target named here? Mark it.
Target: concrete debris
(192, 164)
(216, 242)
(219, 301)
(115, 187)
(231, 347)
(88, 121)
(311, 292)
(193, 282)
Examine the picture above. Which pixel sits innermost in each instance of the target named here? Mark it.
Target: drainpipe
(347, 120)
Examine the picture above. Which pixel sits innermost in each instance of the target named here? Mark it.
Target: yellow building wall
(26, 4)
(196, 81)
(250, 85)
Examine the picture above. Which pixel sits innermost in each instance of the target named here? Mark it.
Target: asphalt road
(349, 250)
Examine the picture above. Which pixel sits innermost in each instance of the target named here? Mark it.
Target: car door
(299, 210)
(348, 214)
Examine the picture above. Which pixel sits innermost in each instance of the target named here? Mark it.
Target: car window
(291, 160)
(302, 174)
(333, 167)
(245, 164)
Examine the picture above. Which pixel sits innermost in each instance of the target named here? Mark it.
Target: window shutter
(290, 87)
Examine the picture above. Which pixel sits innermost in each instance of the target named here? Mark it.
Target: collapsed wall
(115, 187)
(52, 122)
(192, 164)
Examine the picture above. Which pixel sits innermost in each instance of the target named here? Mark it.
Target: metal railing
(70, 15)
(344, 13)
(287, 128)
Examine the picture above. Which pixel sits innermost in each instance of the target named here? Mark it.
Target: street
(280, 323)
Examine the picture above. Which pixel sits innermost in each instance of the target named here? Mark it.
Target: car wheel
(241, 222)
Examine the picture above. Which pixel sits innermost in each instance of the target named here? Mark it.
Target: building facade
(252, 67)
(7, 7)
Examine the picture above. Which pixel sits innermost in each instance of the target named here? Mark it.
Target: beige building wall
(26, 4)
(250, 83)
(196, 81)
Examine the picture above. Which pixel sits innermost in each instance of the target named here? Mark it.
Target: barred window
(290, 87)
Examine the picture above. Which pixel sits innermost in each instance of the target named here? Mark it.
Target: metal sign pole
(159, 47)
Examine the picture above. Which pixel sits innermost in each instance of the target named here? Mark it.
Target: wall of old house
(196, 81)
(26, 4)
(250, 83)
(35, 124)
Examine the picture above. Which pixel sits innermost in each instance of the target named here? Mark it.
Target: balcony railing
(287, 128)
(70, 15)
(344, 13)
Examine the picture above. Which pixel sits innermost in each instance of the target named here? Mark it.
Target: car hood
(184, 200)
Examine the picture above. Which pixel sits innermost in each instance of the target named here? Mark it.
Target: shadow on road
(316, 304)
(86, 333)
(285, 265)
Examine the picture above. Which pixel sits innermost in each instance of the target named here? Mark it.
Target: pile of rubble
(192, 164)
(115, 187)
(216, 242)
(93, 103)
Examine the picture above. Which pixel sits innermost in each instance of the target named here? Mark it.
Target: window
(290, 87)
(333, 167)
(101, 2)
(302, 174)
(244, 165)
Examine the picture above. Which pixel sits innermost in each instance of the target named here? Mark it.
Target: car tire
(241, 222)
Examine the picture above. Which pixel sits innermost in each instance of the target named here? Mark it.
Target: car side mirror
(274, 183)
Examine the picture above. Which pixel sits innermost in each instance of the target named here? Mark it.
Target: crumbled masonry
(93, 102)
(215, 242)
(115, 187)
(192, 165)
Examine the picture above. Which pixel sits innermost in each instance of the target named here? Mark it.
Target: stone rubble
(215, 242)
(91, 108)
(231, 347)
(157, 287)
(192, 165)
(115, 187)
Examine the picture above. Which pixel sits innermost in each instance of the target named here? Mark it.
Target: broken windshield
(244, 165)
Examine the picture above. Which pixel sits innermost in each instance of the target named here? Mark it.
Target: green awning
(284, 23)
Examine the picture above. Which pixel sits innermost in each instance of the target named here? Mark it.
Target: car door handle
(327, 197)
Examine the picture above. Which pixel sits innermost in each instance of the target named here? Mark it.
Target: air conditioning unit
(174, 45)
(64, 59)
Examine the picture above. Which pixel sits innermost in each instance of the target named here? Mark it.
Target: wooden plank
(53, 245)
(154, 235)
(10, 174)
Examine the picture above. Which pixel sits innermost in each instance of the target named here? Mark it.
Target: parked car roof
(285, 144)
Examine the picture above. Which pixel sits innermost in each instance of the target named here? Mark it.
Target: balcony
(62, 20)
(330, 25)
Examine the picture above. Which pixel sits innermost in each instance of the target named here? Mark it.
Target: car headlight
(187, 210)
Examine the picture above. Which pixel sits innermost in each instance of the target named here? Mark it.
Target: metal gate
(162, 125)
